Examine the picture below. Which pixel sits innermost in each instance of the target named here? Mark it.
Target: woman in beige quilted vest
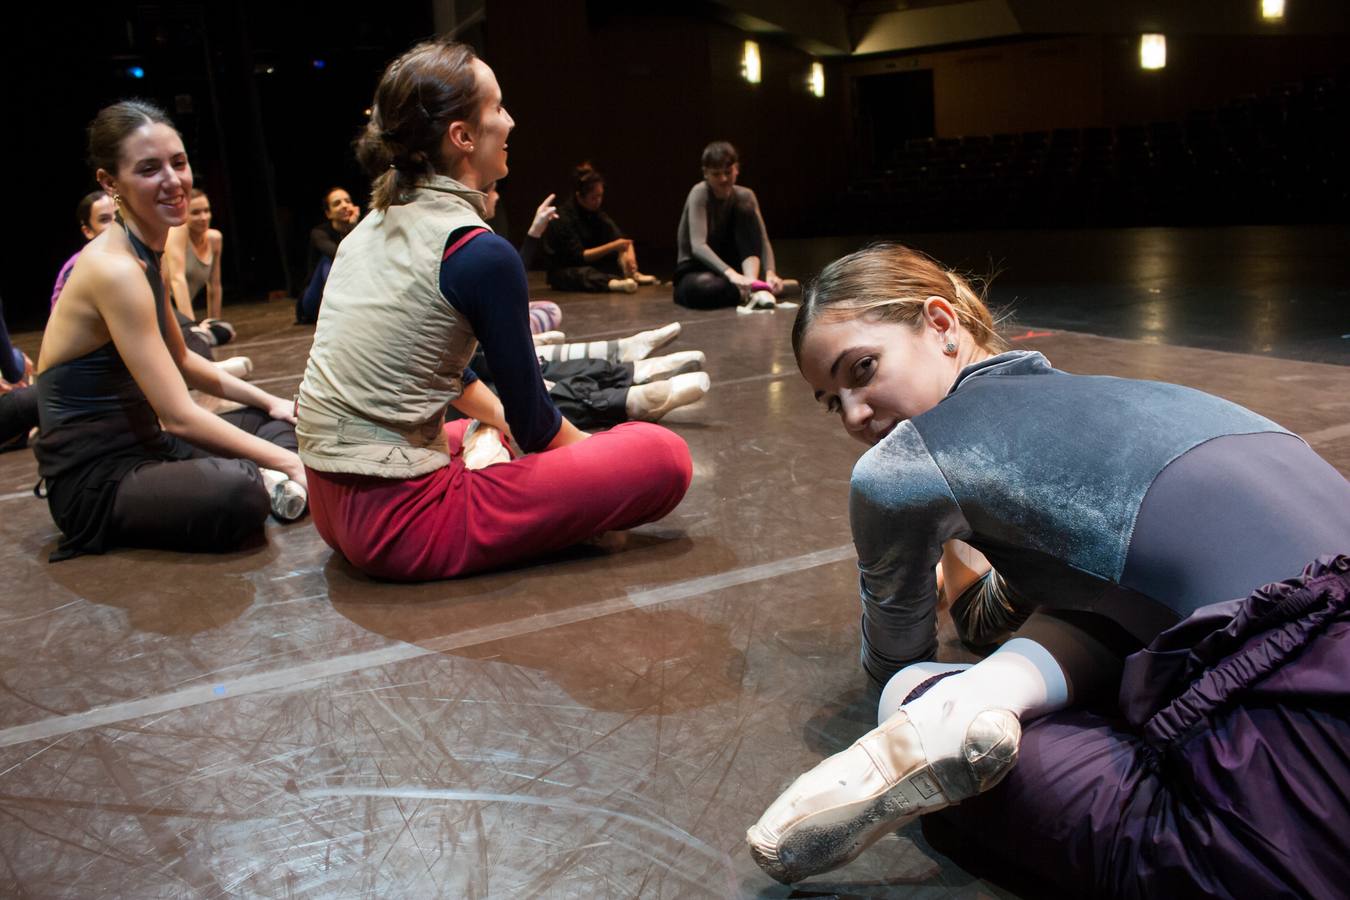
(414, 289)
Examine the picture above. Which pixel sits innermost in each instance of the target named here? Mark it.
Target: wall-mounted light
(750, 65)
(1152, 51)
(1272, 10)
(816, 81)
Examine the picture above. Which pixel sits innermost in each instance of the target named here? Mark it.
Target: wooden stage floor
(271, 723)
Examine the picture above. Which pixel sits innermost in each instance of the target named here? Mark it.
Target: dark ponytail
(418, 96)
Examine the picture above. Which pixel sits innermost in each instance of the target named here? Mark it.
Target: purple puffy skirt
(1226, 774)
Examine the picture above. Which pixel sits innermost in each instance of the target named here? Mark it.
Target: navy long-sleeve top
(485, 282)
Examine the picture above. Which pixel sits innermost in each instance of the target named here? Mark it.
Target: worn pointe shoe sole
(483, 447)
(847, 803)
(288, 498)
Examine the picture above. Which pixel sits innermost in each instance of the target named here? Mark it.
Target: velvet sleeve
(901, 510)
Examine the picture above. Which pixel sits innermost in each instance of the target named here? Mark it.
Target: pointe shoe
(545, 338)
(238, 366)
(649, 402)
(288, 498)
(483, 447)
(221, 332)
(655, 368)
(641, 345)
(848, 802)
(644, 279)
(623, 285)
(758, 301)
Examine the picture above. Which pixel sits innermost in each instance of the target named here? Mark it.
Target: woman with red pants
(415, 287)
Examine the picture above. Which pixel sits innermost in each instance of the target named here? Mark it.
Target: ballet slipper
(649, 402)
(623, 285)
(641, 345)
(288, 498)
(483, 447)
(654, 368)
(844, 805)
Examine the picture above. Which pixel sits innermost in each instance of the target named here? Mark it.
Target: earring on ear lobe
(949, 347)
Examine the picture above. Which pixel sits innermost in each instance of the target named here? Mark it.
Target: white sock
(1021, 676)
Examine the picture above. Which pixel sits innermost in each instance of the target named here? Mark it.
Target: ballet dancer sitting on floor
(586, 249)
(1075, 519)
(127, 457)
(192, 266)
(724, 254)
(415, 288)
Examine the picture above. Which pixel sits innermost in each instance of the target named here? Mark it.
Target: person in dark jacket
(340, 217)
(1070, 520)
(586, 249)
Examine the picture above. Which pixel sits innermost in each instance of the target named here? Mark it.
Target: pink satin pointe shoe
(844, 805)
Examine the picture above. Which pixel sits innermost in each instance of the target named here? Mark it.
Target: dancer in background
(192, 266)
(724, 255)
(586, 249)
(340, 217)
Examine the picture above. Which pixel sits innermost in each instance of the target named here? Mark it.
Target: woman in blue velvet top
(1072, 518)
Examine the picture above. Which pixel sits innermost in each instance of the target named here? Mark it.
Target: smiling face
(487, 156)
(153, 178)
(722, 181)
(875, 374)
(340, 209)
(199, 215)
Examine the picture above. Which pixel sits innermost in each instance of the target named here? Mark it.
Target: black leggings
(194, 340)
(698, 287)
(199, 503)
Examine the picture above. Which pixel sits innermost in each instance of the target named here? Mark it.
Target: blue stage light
(319, 64)
(136, 72)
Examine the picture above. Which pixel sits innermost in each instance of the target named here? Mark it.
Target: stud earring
(949, 347)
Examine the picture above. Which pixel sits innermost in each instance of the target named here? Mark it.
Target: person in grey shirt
(725, 258)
